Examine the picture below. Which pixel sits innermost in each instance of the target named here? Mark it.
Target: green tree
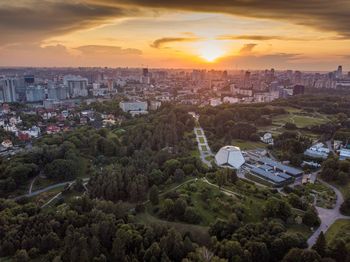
(154, 195)
(21, 256)
(320, 245)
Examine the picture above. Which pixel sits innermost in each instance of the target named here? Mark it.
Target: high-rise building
(57, 92)
(77, 86)
(29, 79)
(8, 90)
(145, 72)
(339, 73)
(35, 93)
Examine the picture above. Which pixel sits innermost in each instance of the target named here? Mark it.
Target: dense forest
(133, 166)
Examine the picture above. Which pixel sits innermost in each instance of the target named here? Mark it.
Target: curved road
(48, 188)
(327, 216)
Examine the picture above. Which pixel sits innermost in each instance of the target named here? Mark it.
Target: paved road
(31, 185)
(223, 190)
(48, 188)
(328, 216)
(203, 154)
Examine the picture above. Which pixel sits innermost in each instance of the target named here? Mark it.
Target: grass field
(209, 158)
(201, 140)
(340, 229)
(46, 196)
(247, 145)
(199, 233)
(302, 229)
(208, 201)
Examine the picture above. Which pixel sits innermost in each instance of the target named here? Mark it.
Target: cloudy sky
(231, 34)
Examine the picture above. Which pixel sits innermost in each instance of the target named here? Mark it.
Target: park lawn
(216, 205)
(201, 140)
(247, 145)
(253, 209)
(339, 229)
(209, 158)
(199, 233)
(204, 148)
(199, 132)
(302, 229)
(299, 120)
(195, 153)
(46, 196)
(326, 197)
(344, 189)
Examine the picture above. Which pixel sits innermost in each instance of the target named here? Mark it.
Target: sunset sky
(231, 34)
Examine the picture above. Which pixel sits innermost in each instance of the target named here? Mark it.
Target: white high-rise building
(8, 90)
(77, 86)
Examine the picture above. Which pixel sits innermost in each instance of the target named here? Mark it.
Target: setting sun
(211, 51)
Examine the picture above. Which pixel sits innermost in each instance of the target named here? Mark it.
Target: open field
(209, 202)
(326, 197)
(199, 233)
(340, 229)
(247, 145)
(300, 120)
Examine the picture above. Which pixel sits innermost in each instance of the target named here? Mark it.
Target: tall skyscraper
(8, 90)
(35, 93)
(339, 73)
(77, 86)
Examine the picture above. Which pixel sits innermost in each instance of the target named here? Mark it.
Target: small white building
(230, 100)
(7, 143)
(267, 138)
(318, 150)
(34, 131)
(230, 156)
(344, 154)
(128, 106)
(215, 102)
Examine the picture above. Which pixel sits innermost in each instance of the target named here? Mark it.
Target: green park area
(194, 203)
(247, 144)
(204, 148)
(339, 230)
(201, 140)
(298, 117)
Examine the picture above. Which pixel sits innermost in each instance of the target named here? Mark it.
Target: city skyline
(186, 34)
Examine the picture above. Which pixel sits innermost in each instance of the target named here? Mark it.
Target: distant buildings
(35, 94)
(128, 106)
(344, 154)
(317, 151)
(8, 90)
(77, 86)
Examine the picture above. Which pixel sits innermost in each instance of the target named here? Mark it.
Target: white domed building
(230, 156)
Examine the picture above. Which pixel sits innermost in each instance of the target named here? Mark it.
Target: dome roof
(230, 156)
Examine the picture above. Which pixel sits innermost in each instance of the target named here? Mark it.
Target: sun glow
(210, 51)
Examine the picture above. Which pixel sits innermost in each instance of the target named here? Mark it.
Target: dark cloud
(35, 20)
(257, 37)
(321, 14)
(247, 48)
(107, 50)
(159, 43)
